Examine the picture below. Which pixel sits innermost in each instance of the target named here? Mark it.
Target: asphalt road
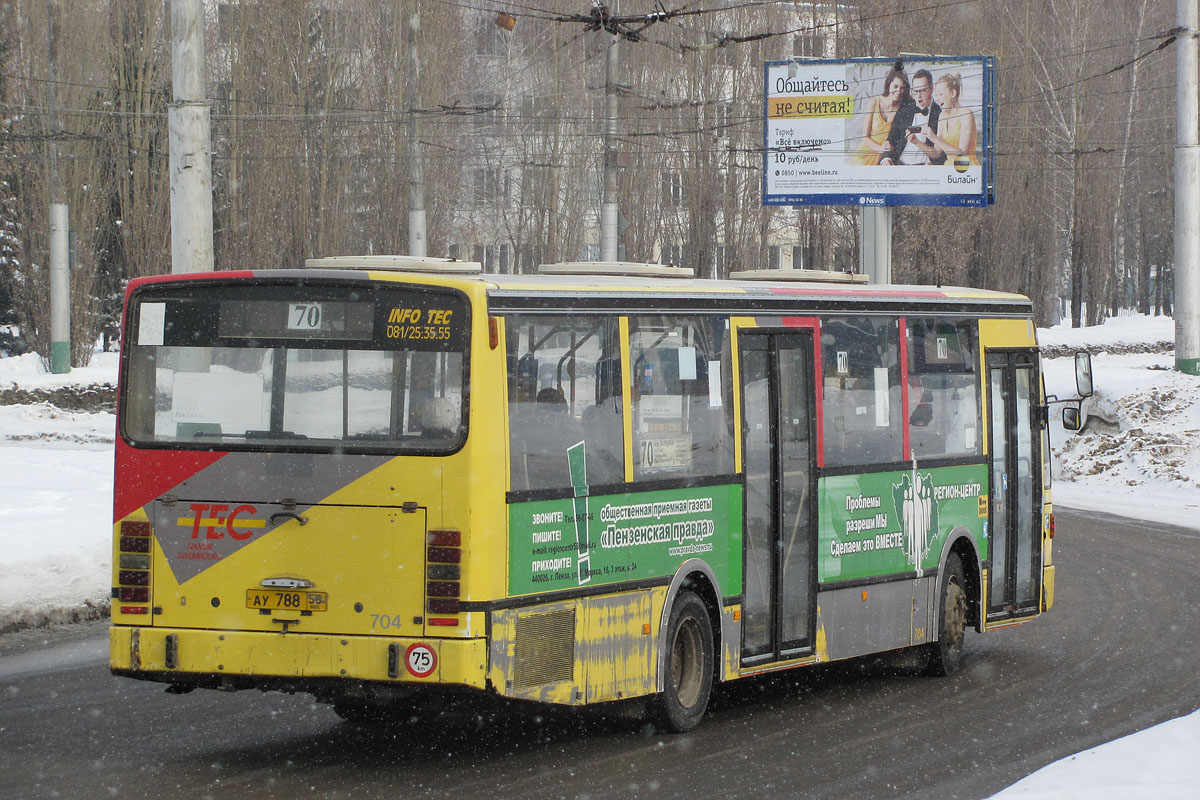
(1118, 653)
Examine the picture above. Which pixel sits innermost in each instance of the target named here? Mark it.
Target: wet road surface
(1115, 655)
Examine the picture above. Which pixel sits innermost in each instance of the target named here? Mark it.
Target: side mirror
(1072, 419)
(1083, 373)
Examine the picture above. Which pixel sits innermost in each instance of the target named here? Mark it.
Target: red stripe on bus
(142, 475)
(189, 276)
(906, 440)
(800, 322)
(857, 292)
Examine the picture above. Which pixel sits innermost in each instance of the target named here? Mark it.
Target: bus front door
(1014, 520)
(779, 548)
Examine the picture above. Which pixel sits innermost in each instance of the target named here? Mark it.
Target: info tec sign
(878, 132)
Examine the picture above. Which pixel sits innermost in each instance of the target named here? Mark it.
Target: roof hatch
(808, 275)
(617, 268)
(400, 263)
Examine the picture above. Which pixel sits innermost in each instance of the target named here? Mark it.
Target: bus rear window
(302, 367)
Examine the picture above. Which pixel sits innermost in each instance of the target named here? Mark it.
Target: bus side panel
(867, 619)
(891, 523)
(589, 650)
(532, 653)
(569, 543)
(617, 652)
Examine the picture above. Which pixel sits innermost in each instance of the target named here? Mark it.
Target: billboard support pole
(875, 243)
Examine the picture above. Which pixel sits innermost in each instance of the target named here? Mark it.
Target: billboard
(879, 132)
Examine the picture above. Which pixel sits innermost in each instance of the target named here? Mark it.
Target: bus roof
(540, 292)
(530, 292)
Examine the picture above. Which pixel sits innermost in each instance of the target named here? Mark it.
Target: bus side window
(943, 395)
(603, 437)
(527, 378)
(563, 390)
(680, 420)
(860, 361)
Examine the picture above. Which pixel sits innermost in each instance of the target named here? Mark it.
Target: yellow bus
(385, 480)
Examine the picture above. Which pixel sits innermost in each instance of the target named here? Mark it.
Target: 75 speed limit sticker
(420, 660)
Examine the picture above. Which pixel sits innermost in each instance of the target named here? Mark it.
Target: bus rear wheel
(944, 656)
(689, 664)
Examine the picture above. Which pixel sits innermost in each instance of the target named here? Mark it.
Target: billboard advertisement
(879, 132)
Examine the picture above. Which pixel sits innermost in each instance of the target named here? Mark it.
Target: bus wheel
(687, 683)
(944, 656)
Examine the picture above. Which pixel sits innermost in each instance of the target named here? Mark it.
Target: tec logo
(216, 520)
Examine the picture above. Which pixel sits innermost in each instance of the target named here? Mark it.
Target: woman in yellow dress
(881, 110)
(956, 129)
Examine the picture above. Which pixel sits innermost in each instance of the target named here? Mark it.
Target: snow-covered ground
(55, 499)
(1138, 454)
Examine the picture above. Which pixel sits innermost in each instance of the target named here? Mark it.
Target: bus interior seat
(540, 434)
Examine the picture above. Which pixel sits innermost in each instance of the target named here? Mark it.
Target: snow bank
(55, 509)
(1139, 450)
(1155, 764)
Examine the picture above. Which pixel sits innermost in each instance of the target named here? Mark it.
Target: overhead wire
(346, 116)
(450, 109)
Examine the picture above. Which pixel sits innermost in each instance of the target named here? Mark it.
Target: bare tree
(310, 154)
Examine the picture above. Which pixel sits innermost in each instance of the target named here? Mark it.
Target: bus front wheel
(689, 662)
(944, 656)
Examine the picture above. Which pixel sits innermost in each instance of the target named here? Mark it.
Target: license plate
(286, 600)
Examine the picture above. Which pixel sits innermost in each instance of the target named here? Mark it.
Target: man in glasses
(916, 112)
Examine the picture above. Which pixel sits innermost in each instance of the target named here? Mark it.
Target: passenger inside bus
(563, 389)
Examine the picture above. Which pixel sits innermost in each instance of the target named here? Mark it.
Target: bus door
(1014, 519)
(779, 546)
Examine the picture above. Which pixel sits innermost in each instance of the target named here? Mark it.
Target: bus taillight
(443, 573)
(1050, 525)
(133, 566)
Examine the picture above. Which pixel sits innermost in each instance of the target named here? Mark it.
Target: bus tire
(944, 656)
(688, 666)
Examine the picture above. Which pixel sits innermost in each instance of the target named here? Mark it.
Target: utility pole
(1187, 191)
(608, 205)
(60, 220)
(190, 154)
(551, 190)
(416, 169)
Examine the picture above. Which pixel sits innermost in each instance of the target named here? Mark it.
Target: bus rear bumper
(251, 659)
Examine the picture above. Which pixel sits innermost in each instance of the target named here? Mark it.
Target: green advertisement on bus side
(583, 541)
(887, 523)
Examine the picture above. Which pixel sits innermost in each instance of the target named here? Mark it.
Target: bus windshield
(293, 366)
